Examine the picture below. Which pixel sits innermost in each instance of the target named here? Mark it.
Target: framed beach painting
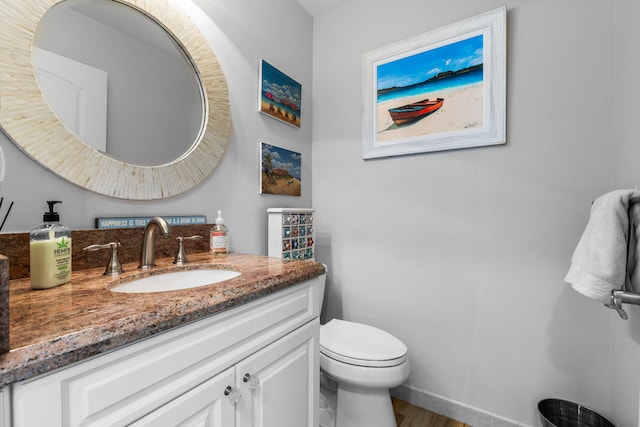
(281, 171)
(442, 90)
(280, 96)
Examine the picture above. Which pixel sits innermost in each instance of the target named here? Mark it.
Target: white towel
(606, 255)
(633, 257)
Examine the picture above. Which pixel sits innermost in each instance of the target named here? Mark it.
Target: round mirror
(118, 81)
(25, 116)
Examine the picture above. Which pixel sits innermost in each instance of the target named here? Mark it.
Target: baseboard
(451, 409)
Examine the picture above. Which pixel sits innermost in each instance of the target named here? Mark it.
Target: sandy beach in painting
(462, 109)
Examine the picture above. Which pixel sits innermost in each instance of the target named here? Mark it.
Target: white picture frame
(462, 92)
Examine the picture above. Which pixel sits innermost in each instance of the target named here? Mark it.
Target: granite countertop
(55, 327)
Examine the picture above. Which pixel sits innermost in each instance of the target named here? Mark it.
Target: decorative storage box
(291, 234)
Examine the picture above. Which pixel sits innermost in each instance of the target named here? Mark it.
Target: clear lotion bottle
(219, 241)
(50, 252)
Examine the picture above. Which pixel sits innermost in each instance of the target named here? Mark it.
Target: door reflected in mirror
(118, 81)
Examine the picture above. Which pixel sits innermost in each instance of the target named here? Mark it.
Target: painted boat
(416, 111)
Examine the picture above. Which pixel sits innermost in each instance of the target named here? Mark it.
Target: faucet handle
(113, 267)
(181, 256)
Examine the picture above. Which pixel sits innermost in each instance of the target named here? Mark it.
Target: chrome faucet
(147, 257)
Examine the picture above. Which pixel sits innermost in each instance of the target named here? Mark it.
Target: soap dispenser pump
(50, 251)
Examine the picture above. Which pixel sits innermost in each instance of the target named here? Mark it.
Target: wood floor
(408, 415)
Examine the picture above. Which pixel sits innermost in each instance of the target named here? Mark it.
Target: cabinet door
(279, 384)
(204, 406)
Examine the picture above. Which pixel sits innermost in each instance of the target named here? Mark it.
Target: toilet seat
(361, 345)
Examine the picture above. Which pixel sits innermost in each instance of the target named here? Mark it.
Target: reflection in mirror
(27, 119)
(118, 81)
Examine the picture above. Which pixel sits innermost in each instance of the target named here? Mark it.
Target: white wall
(626, 335)
(280, 31)
(462, 254)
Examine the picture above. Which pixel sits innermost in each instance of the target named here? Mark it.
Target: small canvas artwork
(280, 95)
(281, 171)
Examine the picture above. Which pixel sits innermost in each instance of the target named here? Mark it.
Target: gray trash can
(562, 413)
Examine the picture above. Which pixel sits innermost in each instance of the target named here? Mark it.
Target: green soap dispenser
(50, 252)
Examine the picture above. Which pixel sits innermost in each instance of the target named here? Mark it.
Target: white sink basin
(173, 281)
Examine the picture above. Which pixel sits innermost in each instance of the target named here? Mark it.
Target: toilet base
(358, 407)
(328, 392)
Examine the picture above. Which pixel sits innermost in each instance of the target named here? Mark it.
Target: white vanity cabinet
(5, 407)
(279, 384)
(205, 405)
(280, 392)
(253, 365)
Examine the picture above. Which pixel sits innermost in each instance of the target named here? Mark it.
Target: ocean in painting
(458, 81)
(452, 66)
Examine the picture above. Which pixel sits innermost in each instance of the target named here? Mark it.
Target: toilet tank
(322, 281)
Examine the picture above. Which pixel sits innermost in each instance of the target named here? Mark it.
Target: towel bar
(623, 297)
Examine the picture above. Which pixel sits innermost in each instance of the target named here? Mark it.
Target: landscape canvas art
(281, 171)
(440, 90)
(280, 95)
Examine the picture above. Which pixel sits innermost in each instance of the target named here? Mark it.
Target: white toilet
(365, 362)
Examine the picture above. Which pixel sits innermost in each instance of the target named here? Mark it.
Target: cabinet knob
(233, 394)
(252, 381)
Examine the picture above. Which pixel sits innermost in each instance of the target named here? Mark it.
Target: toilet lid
(361, 345)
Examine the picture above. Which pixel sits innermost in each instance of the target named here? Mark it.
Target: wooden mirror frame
(27, 120)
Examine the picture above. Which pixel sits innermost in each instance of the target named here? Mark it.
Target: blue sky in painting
(422, 66)
(284, 159)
